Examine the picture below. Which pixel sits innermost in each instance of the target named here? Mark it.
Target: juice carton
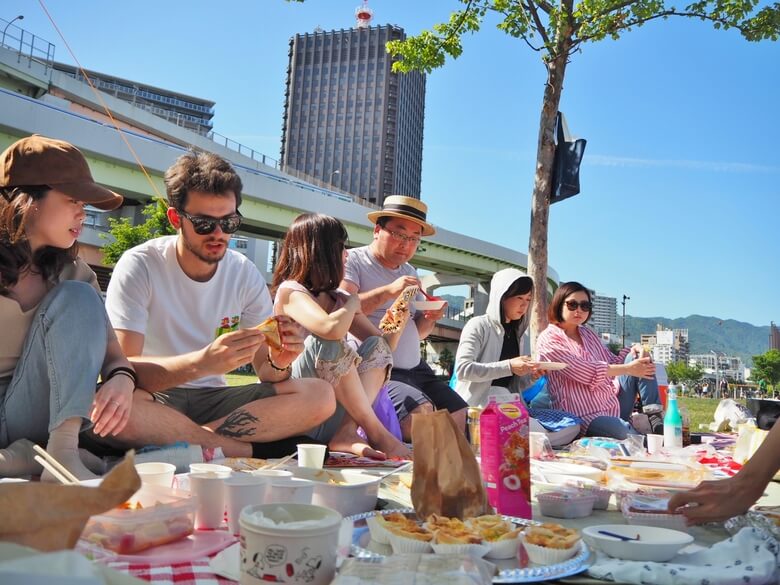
(503, 430)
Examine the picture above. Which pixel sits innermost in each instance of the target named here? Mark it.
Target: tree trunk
(540, 202)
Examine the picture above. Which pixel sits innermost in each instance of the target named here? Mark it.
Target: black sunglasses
(204, 224)
(584, 305)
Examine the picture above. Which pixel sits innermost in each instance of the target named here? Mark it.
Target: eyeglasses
(399, 237)
(204, 224)
(583, 305)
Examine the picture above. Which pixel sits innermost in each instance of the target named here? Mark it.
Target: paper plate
(552, 366)
(509, 571)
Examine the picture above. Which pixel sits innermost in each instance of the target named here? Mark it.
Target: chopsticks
(279, 463)
(57, 469)
(619, 536)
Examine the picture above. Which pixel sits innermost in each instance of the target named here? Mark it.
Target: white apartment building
(719, 366)
(667, 345)
(604, 316)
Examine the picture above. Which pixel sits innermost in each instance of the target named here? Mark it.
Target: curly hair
(555, 310)
(16, 256)
(200, 171)
(312, 253)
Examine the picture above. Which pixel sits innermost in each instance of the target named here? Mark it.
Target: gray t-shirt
(365, 271)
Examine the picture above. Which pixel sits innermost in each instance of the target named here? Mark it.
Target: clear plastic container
(566, 504)
(651, 510)
(166, 515)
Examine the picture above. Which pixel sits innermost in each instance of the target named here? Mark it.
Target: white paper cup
(654, 443)
(272, 473)
(273, 548)
(222, 471)
(242, 491)
(154, 473)
(289, 489)
(311, 455)
(209, 489)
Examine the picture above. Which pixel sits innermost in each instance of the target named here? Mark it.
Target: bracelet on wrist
(275, 367)
(123, 371)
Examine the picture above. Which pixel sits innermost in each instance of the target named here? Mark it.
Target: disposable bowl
(347, 491)
(655, 543)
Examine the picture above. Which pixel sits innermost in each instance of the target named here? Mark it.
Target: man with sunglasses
(185, 308)
(379, 273)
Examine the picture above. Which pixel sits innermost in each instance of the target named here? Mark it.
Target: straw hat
(37, 160)
(404, 208)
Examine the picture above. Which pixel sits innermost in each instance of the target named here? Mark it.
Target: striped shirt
(584, 388)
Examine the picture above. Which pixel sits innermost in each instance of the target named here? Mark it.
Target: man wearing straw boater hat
(379, 273)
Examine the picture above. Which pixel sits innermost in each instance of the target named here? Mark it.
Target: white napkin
(226, 563)
(65, 567)
(750, 556)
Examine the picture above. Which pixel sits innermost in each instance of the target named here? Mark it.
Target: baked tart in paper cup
(378, 523)
(406, 541)
(456, 539)
(500, 536)
(549, 544)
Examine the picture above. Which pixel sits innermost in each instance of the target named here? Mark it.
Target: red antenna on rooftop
(364, 14)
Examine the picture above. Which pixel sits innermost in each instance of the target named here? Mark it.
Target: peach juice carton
(505, 453)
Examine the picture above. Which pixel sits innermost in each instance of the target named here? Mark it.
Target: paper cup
(222, 471)
(311, 455)
(209, 489)
(542, 555)
(288, 543)
(654, 443)
(242, 491)
(289, 489)
(271, 473)
(153, 473)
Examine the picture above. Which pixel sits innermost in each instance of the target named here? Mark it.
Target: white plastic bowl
(428, 305)
(346, 491)
(654, 544)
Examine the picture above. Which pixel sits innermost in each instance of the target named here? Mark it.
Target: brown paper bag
(50, 517)
(446, 478)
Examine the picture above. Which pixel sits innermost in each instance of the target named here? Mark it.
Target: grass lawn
(700, 409)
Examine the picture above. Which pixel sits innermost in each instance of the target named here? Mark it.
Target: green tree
(680, 372)
(446, 361)
(767, 367)
(557, 32)
(126, 235)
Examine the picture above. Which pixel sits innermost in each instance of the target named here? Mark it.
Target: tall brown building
(774, 336)
(348, 120)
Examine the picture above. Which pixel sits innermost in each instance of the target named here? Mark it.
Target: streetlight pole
(20, 17)
(716, 390)
(625, 298)
(333, 174)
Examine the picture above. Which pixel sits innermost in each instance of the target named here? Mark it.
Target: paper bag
(447, 479)
(50, 517)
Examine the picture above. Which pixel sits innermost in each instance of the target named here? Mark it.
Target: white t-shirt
(365, 271)
(150, 294)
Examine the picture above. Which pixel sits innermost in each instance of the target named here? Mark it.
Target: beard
(198, 253)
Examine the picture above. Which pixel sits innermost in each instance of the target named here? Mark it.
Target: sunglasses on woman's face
(583, 305)
(204, 224)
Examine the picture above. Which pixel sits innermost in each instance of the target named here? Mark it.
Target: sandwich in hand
(270, 328)
(398, 312)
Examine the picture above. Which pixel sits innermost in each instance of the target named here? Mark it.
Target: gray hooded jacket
(476, 363)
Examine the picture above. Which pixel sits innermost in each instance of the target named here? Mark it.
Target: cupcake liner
(402, 545)
(502, 549)
(379, 533)
(475, 550)
(542, 555)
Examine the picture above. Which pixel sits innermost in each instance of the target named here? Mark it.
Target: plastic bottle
(673, 423)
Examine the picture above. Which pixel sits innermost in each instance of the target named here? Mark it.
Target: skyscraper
(348, 120)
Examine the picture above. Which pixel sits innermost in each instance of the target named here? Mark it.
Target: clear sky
(681, 177)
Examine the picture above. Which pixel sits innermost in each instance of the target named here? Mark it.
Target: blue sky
(681, 177)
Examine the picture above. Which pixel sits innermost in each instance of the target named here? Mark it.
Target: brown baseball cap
(37, 161)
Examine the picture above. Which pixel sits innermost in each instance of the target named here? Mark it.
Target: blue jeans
(630, 386)
(56, 374)
(609, 426)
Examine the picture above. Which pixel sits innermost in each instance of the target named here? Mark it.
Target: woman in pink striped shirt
(588, 386)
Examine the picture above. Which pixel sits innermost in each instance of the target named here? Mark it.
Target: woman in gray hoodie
(492, 360)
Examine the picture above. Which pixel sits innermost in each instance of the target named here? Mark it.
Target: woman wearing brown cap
(56, 336)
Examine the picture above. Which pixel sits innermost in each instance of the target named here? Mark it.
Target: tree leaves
(126, 235)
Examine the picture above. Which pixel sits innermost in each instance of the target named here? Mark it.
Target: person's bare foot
(392, 447)
(353, 443)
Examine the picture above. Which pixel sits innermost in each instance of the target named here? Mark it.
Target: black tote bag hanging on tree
(566, 164)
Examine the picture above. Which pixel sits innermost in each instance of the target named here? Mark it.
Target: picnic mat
(193, 573)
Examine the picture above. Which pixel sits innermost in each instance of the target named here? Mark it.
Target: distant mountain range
(706, 333)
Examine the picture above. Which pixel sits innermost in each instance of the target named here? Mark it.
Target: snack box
(166, 515)
(651, 510)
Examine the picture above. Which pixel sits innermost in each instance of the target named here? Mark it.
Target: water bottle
(673, 423)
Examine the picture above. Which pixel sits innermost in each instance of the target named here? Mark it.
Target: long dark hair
(17, 204)
(312, 253)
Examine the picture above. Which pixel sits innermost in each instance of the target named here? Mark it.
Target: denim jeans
(55, 376)
(609, 426)
(630, 385)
